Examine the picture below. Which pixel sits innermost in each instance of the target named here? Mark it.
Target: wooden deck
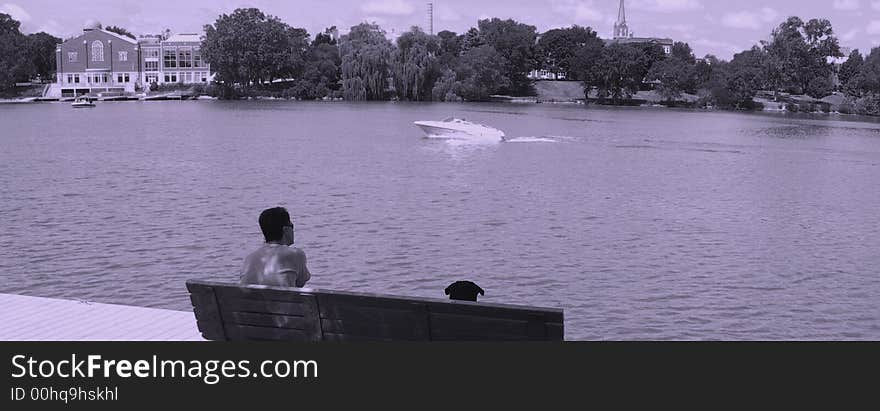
(24, 318)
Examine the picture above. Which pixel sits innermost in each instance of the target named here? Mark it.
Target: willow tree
(415, 65)
(366, 56)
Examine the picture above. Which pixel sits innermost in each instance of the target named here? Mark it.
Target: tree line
(255, 53)
(24, 57)
(248, 48)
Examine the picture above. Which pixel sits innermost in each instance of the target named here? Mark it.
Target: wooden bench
(231, 312)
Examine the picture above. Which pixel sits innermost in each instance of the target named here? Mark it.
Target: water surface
(640, 223)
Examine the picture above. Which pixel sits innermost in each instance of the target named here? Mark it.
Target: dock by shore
(25, 318)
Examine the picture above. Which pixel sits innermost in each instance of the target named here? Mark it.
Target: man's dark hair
(273, 221)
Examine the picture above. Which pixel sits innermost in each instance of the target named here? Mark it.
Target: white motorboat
(456, 128)
(82, 102)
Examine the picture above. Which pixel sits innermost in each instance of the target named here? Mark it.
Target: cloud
(442, 12)
(847, 5)
(52, 26)
(875, 5)
(667, 6)
(848, 36)
(16, 11)
(873, 27)
(749, 19)
(393, 7)
(725, 50)
(578, 10)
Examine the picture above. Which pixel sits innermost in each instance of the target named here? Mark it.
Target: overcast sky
(710, 26)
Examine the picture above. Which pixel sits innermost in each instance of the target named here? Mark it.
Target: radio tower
(431, 18)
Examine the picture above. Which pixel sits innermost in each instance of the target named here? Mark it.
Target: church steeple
(620, 28)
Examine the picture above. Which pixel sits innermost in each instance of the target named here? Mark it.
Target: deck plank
(25, 318)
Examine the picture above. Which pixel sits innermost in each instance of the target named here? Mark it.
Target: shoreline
(511, 100)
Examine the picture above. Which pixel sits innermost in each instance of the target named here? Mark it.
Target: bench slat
(373, 317)
(269, 320)
(238, 332)
(455, 327)
(207, 313)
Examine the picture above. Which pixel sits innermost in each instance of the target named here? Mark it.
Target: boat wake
(531, 140)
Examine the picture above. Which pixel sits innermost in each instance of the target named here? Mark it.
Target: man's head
(276, 225)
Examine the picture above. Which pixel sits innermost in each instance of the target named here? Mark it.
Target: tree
(798, 53)
(568, 50)
(675, 77)
(321, 74)
(415, 66)
(450, 48)
(850, 67)
(683, 52)
(14, 64)
(516, 43)
(480, 74)
(867, 80)
(366, 57)
(618, 72)
(735, 84)
(120, 31)
(250, 47)
(41, 54)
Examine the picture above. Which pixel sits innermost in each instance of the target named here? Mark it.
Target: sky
(714, 27)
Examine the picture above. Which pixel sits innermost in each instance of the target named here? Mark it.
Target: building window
(123, 56)
(151, 65)
(152, 78)
(171, 77)
(197, 58)
(76, 78)
(188, 76)
(185, 58)
(105, 78)
(170, 59)
(71, 56)
(204, 76)
(151, 53)
(122, 78)
(97, 51)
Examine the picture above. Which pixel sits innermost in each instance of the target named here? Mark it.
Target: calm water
(640, 223)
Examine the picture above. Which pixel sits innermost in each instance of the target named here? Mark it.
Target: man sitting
(276, 263)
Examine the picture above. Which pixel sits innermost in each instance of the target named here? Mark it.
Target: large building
(100, 61)
(622, 34)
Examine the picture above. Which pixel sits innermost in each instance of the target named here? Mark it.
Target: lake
(642, 224)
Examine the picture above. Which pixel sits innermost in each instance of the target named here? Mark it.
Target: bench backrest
(233, 312)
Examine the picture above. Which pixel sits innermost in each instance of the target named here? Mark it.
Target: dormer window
(123, 56)
(97, 51)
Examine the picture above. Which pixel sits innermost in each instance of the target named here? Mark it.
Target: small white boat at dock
(82, 102)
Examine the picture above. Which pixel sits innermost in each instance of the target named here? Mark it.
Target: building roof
(184, 38)
(121, 37)
(629, 40)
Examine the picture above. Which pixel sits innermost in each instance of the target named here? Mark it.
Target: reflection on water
(641, 224)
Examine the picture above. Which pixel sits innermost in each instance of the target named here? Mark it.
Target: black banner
(99, 375)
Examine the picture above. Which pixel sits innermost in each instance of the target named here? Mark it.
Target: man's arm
(296, 262)
(304, 274)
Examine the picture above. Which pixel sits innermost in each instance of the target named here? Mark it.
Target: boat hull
(439, 129)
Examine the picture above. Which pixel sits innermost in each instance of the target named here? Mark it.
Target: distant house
(96, 61)
(100, 61)
(544, 74)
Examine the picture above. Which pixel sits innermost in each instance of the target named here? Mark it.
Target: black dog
(464, 291)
